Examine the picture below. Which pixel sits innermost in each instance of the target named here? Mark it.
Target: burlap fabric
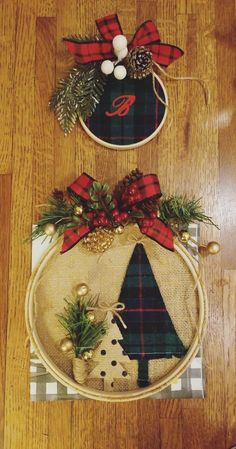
(104, 274)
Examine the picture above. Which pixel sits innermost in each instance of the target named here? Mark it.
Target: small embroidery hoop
(101, 395)
(133, 145)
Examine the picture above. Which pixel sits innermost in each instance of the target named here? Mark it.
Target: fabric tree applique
(109, 357)
(150, 333)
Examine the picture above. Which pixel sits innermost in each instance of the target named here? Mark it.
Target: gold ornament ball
(82, 289)
(87, 355)
(78, 210)
(49, 229)
(90, 316)
(213, 247)
(66, 345)
(185, 236)
(119, 229)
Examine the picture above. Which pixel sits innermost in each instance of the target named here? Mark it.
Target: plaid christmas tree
(150, 333)
(139, 121)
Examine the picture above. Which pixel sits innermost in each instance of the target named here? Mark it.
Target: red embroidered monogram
(122, 105)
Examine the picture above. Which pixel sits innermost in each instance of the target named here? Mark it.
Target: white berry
(121, 54)
(107, 67)
(120, 72)
(119, 42)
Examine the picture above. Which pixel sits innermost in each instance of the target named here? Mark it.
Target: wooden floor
(195, 155)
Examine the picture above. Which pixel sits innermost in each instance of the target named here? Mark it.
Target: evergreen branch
(183, 211)
(84, 333)
(78, 94)
(78, 38)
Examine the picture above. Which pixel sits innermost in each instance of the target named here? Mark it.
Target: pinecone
(99, 240)
(139, 62)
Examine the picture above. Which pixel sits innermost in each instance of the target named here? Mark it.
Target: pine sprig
(78, 38)
(58, 212)
(78, 94)
(84, 334)
(183, 211)
(101, 197)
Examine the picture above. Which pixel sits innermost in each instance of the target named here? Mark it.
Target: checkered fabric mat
(44, 387)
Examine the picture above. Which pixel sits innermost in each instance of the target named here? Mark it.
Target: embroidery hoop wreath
(137, 144)
(126, 396)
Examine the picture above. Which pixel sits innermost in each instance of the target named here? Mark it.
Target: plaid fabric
(145, 34)
(81, 186)
(150, 333)
(160, 233)
(143, 118)
(109, 27)
(147, 186)
(164, 54)
(73, 236)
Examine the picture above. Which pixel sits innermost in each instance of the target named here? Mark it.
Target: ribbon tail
(160, 233)
(81, 186)
(109, 27)
(90, 51)
(165, 54)
(145, 35)
(73, 236)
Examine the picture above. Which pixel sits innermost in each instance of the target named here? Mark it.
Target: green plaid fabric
(144, 116)
(150, 333)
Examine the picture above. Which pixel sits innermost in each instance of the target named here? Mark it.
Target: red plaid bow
(109, 27)
(146, 187)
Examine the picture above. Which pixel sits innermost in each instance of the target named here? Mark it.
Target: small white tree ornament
(109, 357)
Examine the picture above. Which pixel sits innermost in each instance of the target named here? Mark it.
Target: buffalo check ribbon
(144, 188)
(146, 35)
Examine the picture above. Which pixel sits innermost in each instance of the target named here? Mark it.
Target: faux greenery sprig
(84, 333)
(182, 211)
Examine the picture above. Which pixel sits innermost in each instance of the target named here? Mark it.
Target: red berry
(124, 216)
(115, 213)
(153, 215)
(119, 219)
(101, 214)
(132, 190)
(95, 222)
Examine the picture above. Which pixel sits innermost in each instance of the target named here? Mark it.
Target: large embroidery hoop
(61, 376)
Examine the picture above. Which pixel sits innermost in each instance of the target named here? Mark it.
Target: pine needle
(84, 333)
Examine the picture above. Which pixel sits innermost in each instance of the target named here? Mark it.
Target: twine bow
(146, 35)
(145, 188)
(115, 308)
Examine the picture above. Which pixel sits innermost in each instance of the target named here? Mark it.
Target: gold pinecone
(99, 240)
(139, 62)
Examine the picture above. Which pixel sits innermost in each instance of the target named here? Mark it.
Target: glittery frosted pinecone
(99, 240)
(139, 62)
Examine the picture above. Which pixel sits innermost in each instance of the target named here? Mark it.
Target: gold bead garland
(99, 240)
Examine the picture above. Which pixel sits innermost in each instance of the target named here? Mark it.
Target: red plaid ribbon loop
(147, 35)
(144, 188)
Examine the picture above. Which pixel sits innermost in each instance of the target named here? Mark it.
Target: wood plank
(44, 120)
(171, 433)
(7, 64)
(5, 213)
(229, 306)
